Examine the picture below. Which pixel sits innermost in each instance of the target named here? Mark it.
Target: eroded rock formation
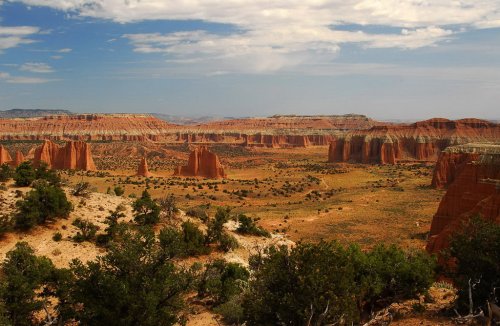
(142, 169)
(420, 141)
(202, 163)
(474, 188)
(75, 155)
(4, 156)
(19, 158)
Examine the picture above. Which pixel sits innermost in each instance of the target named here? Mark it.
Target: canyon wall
(420, 141)
(75, 155)
(474, 188)
(202, 163)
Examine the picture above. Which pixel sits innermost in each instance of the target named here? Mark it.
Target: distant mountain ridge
(31, 113)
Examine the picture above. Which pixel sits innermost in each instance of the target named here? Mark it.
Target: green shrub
(57, 236)
(24, 175)
(194, 240)
(42, 204)
(23, 279)
(198, 212)
(87, 230)
(222, 280)
(147, 212)
(216, 225)
(119, 191)
(5, 172)
(247, 225)
(44, 173)
(227, 242)
(475, 248)
(292, 286)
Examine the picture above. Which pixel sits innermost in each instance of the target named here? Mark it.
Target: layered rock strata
(420, 141)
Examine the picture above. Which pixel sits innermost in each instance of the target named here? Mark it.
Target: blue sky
(389, 59)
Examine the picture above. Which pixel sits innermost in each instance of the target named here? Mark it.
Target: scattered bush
(198, 212)
(87, 230)
(247, 225)
(119, 191)
(146, 210)
(222, 280)
(24, 175)
(57, 236)
(42, 204)
(5, 172)
(82, 189)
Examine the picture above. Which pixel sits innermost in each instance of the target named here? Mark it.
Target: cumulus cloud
(272, 34)
(13, 36)
(36, 67)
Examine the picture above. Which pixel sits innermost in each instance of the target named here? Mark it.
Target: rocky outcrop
(202, 163)
(75, 155)
(4, 156)
(19, 158)
(420, 141)
(474, 189)
(142, 169)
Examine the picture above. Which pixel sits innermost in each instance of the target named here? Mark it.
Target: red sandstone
(75, 155)
(142, 169)
(202, 163)
(474, 189)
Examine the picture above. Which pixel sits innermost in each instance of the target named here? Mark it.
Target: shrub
(5, 224)
(189, 241)
(24, 175)
(198, 212)
(227, 242)
(44, 173)
(57, 236)
(216, 226)
(23, 281)
(292, 286)
(5, 172)
(81, 189)
(222, 280)
(42, 204)
(133, 284)
(146, 210)
(87, 230)
(119, 191)
(247, 225)
(475, 248)
(168, 205)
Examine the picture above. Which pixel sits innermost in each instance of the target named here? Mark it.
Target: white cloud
(8, 78)
(65, 50)
(273, 34)
(13, 36)
(56, 57)
(36, 67)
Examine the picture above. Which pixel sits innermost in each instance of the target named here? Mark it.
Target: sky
(388, 59)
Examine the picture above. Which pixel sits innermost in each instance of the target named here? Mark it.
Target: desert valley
(299, 179)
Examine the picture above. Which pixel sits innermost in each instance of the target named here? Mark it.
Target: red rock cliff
(202, 163)
(75, 155)
(475, 189)
(420, 141)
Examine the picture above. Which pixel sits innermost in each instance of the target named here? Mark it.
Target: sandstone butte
(75, 155)
(420, 141)
(474, 188)
(142, 169)
(202, 163)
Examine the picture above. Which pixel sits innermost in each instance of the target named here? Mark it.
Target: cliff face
(142, 169)
(202, 163)
(75, 155)
(474, 189)
(420, 141)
